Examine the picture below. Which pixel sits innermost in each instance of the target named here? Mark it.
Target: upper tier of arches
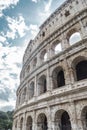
(57, 21)
(50, 50)
(59, 78)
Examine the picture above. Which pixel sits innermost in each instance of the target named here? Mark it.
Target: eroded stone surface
(53, 82)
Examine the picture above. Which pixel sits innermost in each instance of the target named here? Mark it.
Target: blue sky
(19, 22)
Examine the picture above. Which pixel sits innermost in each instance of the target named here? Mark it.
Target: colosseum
(53, 82)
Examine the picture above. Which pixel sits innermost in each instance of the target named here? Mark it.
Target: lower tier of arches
(67, 116)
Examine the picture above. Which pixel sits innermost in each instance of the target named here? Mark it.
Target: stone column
(73, 117)
(53, 125)
(83, 30)
(65, 42)
(18, 124)
(48, 80)
(24, 122)
(48, 52)
(79, 123)
(49, 121)
(34, 121)
(38, 59)
(56, 125)
(27, 93)
(66, 72)
(22, 97)
(35, 87)
(70, 71)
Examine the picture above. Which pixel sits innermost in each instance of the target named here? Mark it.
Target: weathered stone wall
(42, 62)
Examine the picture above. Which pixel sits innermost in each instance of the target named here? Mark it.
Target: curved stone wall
(53, 82)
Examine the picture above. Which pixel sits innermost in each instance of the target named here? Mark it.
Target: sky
(19, 22)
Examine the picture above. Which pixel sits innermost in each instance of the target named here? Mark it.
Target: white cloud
(48, 5)
(17, 26)
(4, 106)
(10, 58)
(34, 29)
(35, 1)
(44, 14)
(6, 4)
(2, 39)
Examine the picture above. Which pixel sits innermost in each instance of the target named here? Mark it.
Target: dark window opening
(45, 124)
(81, 70)
(86, 116)
(60, 79)
(86, 119)
(43, 34)
(29, 123)
(77, 2)
(67, 13)
(42, 124)
(21, 124)
(44, 86)
(65, 121)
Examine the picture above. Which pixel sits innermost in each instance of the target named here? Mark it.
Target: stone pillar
(49, 121)
(38, 59)
(24, 122)
(65, 42)
(83, 30)
(73, 117)
(35, 86)
(22, 97)
(53, 125)
(66, 72)
(79, 123)
(18, 124)
(27, 93)
(33, 121)
(48, 80)
(72, 75)
(48, 53)
(56, 125)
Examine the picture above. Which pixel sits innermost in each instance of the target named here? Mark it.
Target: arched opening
(24, 95)
(84, 118)
(29, 123)
(81, 70)
(19, 99)
(28, 69)
(65, 121)
(56, 48)
(58, 78)
(43, 56)
(62, 120)
(74, 38)
(42, 85)
(31, 90)
(42, 122)
(21, 124)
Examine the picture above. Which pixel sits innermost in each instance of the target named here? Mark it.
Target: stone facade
(53, 82)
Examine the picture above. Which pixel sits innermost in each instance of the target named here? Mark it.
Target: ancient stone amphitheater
(53, 82)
